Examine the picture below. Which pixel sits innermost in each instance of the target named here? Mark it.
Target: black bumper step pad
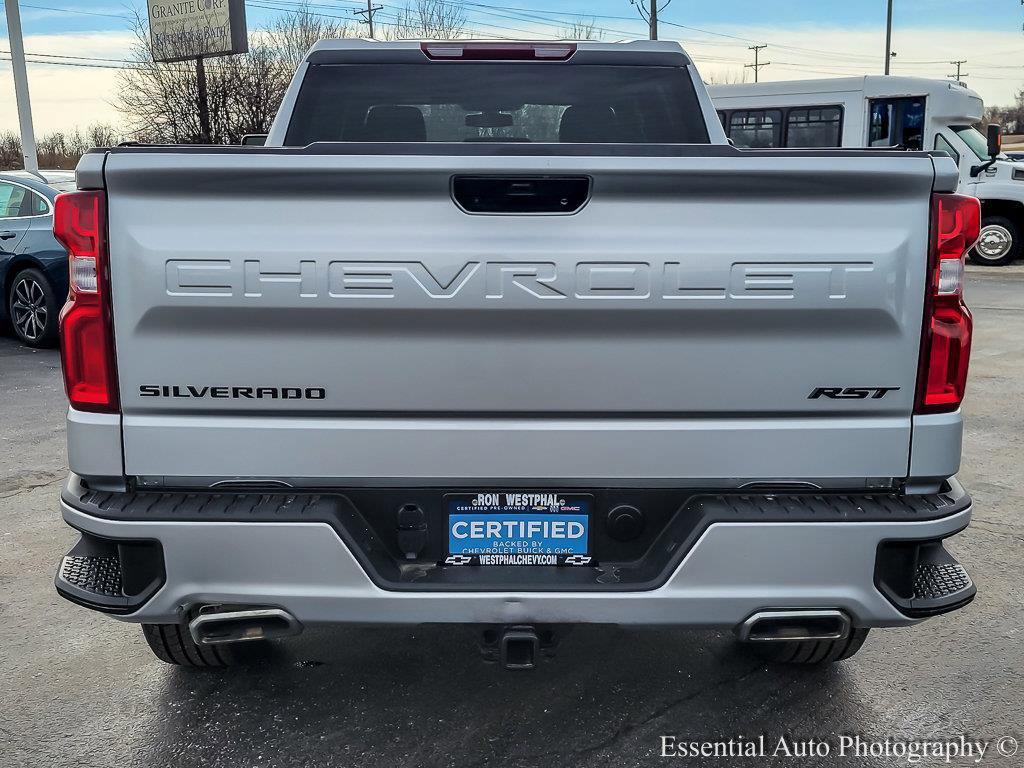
(111, 576)
(922, 579)
(941, 585)
(95, 574)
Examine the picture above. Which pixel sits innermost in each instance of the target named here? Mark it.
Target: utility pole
(649, 13)
(958, 74)
(28, 137)
(368, 14)
(888, 37)
(756, 66)
(204, 102)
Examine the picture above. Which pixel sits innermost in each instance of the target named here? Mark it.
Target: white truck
(507, 334)
(910, 113)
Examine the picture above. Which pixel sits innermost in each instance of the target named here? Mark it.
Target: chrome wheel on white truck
(999, 243)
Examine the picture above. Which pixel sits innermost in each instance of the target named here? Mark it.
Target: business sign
(192, 29)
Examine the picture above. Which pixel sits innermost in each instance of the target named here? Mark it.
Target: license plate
(519, 528)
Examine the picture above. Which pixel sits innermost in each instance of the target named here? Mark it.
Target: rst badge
(851, 393)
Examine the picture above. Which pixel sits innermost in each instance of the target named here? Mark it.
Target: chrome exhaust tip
(779, 625)
(237, 626)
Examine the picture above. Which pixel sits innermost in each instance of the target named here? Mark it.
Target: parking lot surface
(79, 689)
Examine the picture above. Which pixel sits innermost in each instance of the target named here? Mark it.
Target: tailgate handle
(510, 195)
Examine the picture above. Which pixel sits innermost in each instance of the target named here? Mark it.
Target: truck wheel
(811, 652)
(32, 307)
(999, 244)
(173, 644)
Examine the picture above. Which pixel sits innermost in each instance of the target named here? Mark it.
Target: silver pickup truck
(507, 334)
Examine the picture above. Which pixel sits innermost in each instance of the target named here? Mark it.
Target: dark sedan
(33, 265)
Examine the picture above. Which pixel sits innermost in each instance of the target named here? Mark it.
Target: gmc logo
(852, 393)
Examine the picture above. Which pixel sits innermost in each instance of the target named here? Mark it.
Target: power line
(553, 17)
(75, 10)
(532, 14)
(290, 6)
(296, 5)
(68, 64)
(535, 19)
(832, 59)
(66, 56)
(547, 17)
(475, 22)
(958, 74)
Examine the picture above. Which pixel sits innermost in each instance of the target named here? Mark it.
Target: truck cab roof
(635, 52)
(346, 44)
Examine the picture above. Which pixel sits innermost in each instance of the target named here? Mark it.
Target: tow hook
(519, 646)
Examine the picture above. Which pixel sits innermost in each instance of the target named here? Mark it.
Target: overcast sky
(806, 38)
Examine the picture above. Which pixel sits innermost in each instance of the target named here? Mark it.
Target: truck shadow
(423, 696)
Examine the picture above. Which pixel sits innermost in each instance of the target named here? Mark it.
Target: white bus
(885, 111)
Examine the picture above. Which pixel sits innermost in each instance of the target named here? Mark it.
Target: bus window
(897, 123)
(725, 123)
(814, 127)
(945, 146)
(756, 128)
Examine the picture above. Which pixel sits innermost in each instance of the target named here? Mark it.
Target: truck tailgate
(326, 317)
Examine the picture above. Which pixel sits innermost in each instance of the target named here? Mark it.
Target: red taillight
(946, 342)
(499, 51)
(86, 332)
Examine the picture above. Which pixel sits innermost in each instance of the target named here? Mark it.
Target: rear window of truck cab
(497, 102)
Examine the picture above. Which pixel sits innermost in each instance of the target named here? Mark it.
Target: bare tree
(292, 34)
(428, 19)
(252, 88)
(581, 28)
(729, 77)
(10, 151)
(101, 135)
(161, 100)
(50, 148)
(59, 149)
(1011, 118)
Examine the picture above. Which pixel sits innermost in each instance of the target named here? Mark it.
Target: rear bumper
(731, 571)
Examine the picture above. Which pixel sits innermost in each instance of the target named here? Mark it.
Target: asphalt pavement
(79, 689)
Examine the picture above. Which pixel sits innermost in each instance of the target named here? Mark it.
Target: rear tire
(1000, 242)
(810, 652)
(172, 644)
(32, 308)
